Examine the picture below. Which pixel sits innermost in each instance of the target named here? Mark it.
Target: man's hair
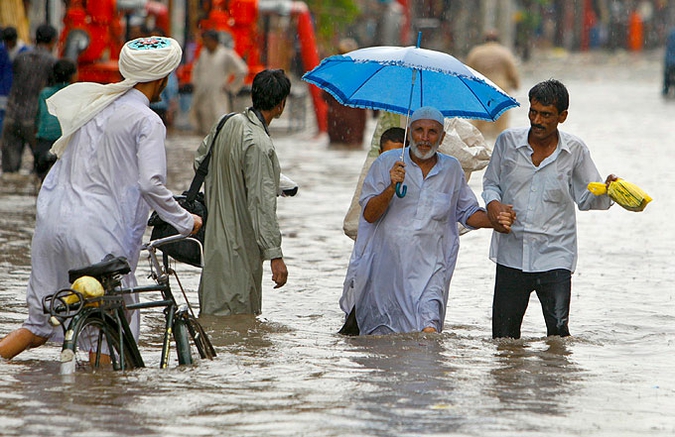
(270, 87)
(393, 134)
(9, 34)
(491, 35)
(211, 34)
(45, 34)
(551, 92)
(63, 71)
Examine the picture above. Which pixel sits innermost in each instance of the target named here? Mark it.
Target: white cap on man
(427, 113)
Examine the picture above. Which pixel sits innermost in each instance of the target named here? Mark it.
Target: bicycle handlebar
(166, 240)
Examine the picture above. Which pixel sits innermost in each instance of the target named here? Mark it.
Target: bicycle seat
(110, 265)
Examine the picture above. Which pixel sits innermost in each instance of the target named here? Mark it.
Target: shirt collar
(562, 143)
(137, 95)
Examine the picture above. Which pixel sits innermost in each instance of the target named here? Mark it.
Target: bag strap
(203, 168)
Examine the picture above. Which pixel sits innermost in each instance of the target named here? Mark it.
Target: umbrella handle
(401, 190)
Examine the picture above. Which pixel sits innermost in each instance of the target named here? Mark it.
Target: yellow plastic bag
(626, 194)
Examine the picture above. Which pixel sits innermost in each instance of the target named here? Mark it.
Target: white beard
(423, 156)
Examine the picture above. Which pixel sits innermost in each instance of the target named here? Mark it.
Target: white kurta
(96, 200)
(400, 269)
(215, 76)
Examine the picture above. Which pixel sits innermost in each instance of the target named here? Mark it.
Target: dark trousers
(512, 294)
(668, 78)
(43, 159)
(15, 136)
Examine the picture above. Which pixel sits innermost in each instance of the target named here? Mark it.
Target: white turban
(141, 60)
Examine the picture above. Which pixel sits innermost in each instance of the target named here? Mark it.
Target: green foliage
(332, 16)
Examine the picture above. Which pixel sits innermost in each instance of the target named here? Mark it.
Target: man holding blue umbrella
(405, 253)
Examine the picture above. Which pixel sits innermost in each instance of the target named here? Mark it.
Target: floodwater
(287, 373)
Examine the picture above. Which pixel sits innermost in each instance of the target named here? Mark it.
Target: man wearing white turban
(111, 171)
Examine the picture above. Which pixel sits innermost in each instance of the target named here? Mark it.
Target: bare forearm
(479, 219)
(376, 206)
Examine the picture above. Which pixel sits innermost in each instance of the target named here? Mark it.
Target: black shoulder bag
(192, 200)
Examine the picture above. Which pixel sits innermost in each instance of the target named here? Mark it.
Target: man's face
(426, 136)
(544, 120)
(157, 96)
(210, 44)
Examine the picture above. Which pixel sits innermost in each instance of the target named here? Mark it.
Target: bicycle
(98, 322)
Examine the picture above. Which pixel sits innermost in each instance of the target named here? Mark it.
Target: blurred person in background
(495, 61)
(5, 81)
(13, 43)
(218, 74)
(31, 72)
(48, 128)
(669, 63)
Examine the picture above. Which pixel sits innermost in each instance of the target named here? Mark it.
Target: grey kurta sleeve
(261, 174)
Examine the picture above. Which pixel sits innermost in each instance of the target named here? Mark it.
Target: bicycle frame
(110, 310)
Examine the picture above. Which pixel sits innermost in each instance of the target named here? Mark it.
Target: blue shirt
(544, 235)
(5, 76)
(670, 48)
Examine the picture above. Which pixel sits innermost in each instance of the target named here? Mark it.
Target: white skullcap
(427, 113)
(148, 59)
(141, 60)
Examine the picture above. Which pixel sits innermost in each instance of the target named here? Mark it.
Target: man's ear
(563, 116)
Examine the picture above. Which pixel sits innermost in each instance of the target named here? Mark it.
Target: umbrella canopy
(402, 79)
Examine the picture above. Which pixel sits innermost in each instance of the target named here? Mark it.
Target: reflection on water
(533, 377)
(407, 383)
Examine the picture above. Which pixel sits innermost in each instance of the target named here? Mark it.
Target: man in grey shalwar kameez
(406, 249)
(241, 189)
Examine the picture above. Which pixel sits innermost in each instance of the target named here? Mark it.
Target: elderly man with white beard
(111, 171)
(406, 249)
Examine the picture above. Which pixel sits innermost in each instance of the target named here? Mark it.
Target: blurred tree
(331, 18)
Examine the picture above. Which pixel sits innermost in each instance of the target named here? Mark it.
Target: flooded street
(287, 372)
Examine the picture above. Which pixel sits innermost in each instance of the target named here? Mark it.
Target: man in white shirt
(540, 173)
(111, 171)
(218, 75)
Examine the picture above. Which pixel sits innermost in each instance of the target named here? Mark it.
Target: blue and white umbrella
(402, 79)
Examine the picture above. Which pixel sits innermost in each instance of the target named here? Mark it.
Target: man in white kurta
(97, 197)
(404, 257)
(462, 140)
(218, 74)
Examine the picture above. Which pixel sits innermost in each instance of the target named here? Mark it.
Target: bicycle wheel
(93, 341)
(200, 338)
(181, 336)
